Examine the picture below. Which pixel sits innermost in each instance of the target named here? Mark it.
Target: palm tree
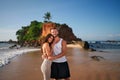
(47, 17)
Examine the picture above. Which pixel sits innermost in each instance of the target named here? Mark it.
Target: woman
(47, 51)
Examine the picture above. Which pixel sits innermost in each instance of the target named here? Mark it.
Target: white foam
(8, 54)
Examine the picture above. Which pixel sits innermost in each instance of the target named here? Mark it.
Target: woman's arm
(47, 52)
(64, 49)
(48, 49)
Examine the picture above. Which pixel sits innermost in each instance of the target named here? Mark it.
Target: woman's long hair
(46, 40)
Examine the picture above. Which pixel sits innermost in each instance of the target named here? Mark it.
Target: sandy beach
(82, 66)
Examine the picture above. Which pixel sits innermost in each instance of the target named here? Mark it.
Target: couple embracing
(54, 65)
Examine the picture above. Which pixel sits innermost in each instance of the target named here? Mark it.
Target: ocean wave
(7, 54)
(104, 46)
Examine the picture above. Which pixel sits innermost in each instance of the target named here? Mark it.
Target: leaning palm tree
(47, 17)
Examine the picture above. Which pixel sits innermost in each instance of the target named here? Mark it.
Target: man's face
(54, 32)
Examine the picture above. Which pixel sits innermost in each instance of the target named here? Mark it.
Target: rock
(46, 28)
(90, 49)
(67, 34)
(83, 44)
(65, 31)
(97, 58)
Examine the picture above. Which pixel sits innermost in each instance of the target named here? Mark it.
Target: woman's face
(50, 39)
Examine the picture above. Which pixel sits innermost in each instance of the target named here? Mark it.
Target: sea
(11, 50)
(104, 45)
(108, 50)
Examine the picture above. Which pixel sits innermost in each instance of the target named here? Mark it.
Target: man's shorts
(60, 70)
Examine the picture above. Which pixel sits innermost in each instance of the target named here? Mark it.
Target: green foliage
(30, 33)
(34, 30)
(21, 32)
(47, 17)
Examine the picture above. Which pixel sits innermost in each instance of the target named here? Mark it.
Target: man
(59, 67)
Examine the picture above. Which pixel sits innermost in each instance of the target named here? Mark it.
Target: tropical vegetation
(29, 35)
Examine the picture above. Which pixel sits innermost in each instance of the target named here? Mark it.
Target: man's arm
(64, 49)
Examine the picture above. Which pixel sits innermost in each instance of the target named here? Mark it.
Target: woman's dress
(46, 69)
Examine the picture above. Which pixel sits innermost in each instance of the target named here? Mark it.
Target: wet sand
(82, 67)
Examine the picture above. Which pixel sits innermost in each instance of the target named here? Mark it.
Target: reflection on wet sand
(82, 67)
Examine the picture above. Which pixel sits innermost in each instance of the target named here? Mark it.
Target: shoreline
(82, 67)
(8, 54)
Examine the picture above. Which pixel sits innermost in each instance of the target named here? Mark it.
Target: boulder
(83, 44)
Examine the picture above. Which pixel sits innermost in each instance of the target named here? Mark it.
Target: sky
(89, 19)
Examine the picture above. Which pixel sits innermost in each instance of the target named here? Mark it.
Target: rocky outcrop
(65, 31)
(84, 45)
(67, 34)
(46, 28)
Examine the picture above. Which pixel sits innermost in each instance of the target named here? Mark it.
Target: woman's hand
(44, 56)
(51, 57)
